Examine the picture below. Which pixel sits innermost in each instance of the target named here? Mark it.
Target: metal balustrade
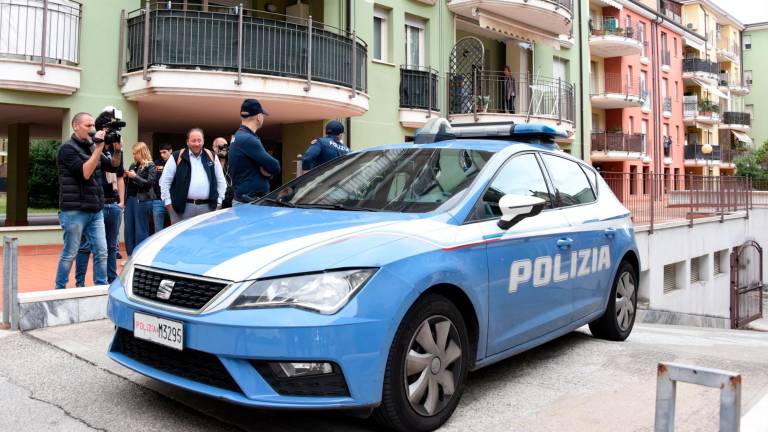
(612, 27)
(700, 65)
(672, 10)
(418, 87)
(667, 104)
(489, 92)
(737, 118)
(164, 34)
(694, 152)
(617, 141)
(617, 84)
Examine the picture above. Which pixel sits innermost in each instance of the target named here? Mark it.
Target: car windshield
(409, 180)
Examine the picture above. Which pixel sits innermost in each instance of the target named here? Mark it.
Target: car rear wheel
(619, 317)
(426, 368)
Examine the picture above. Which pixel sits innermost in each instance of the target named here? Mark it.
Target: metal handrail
(617, 141)
(612, 27)
(486, 91)
(418, 87)
(245, 41)
(617, 83)
(40, 31)
(694, 152)
(737, 118)
(700, 65)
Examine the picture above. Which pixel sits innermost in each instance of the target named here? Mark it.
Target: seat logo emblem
(165, 289)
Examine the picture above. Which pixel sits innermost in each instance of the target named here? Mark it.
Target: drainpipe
(582, 129)
(348, 23)
(656, 103)
(706, 36)
(741, 58)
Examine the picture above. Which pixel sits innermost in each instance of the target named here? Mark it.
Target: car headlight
(126, 273)
(325, 293)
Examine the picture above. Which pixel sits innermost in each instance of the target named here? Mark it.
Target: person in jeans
(80, 162)
(193, 181)
(159, 212)
(114, 191)
(140, 195)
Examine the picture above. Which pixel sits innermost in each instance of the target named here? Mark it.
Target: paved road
(575, 383)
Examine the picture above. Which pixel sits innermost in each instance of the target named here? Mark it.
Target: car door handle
(610, 232)
(564, 243)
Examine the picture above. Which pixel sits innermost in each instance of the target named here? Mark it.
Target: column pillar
(18, 174)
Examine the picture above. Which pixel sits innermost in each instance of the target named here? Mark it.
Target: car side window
(520, 175)
(571, 184)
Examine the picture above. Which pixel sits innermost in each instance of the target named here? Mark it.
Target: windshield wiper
(278, 202)
(336, 207)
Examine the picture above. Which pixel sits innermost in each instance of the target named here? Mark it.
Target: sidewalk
(37, 268)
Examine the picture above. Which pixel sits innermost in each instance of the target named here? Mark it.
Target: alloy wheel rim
(625, 301)
(432, 365)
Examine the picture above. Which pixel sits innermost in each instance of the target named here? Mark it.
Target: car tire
(429, 360)
(619, 317)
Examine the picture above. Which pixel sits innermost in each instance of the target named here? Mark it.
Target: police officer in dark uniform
(326, 148)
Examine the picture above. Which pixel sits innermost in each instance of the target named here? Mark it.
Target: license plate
(159, 330)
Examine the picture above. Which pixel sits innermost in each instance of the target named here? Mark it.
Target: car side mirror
(515, 208)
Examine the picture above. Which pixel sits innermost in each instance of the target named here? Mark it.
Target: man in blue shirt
(250, 166)
(325, 149)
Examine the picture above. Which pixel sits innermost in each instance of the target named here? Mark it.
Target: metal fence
(525, 94)
(612, 27)
(41, 31)
(695, 152)
(617, 141)
(737, 118)
(418, 87)
(667, 104)
(244, 40)
(655, 198)
(700, 65)
(616, 83)
(568, 4)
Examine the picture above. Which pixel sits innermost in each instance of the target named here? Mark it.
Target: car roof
(489, 145)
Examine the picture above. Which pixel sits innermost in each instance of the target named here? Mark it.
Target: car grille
(190, 364)
(332, 384)
(188, 292)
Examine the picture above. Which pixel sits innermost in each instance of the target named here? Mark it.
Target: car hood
(235, 244)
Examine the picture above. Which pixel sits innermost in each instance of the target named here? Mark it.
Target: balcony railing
(694, 152)
(568, 4)
(40, 31)
(245, 41)
(617, 84)
(524, 94)
(666, 58)
(667, 104)
(737, 118)
(725, 80)
(672, 10)
(611, 27)
(617, 141)
(700, 65)
(418, 87)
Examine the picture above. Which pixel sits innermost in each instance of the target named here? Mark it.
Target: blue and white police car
(377, 281)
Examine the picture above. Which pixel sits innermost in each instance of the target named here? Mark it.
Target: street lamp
(707, 150)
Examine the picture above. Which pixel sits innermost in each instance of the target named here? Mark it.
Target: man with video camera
(221, 150)
(81, 164)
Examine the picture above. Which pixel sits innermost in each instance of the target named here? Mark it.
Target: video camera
(110, 120)
(223, 151)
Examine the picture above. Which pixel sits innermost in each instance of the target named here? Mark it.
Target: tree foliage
(43, 185)
(754, 163)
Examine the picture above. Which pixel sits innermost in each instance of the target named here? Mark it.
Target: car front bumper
(242, 339)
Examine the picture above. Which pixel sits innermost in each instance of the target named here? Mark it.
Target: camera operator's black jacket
(76, 192)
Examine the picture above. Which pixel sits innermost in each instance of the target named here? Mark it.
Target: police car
(377, 281)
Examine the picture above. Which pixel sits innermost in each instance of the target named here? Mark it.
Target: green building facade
(756, 65)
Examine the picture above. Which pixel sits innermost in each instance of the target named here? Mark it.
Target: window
(719, 261)
(664, 87)
(750, 109)
(699, 269)
(748, 77)
(380, 34)
(643, 80)
(641, 31)
(631, 124)
(560, 69)
(571, 184)
(674, 47)
(633, 180)
(521, 175)
(677, 91)
(747, 42)
(670, 277)
(414, 42)
(644, 131)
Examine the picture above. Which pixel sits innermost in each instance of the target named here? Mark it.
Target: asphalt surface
(60, 379)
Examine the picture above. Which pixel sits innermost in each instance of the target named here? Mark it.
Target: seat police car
(377, 281)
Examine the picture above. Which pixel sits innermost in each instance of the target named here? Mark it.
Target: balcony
(607, 39)
(704, 112)
(699, 68)
(490, 96)
(728, 51)
(548, 17)
(418, 95)
(617, 146)
(667, 107)
(301, 70)
(616, 91)
(738, 121)
(40, 46)
(672, 10)
(734, 85)
(694, 156)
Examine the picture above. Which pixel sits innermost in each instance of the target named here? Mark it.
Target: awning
(741, 136)
(712, 89)
(610, 3)
(510, 28)
(695, 43)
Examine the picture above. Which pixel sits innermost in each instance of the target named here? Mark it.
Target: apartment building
(636, 88)
(755, 65)
(714, 110)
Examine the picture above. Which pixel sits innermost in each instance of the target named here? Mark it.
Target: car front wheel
(426, 368)
(619, 317)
